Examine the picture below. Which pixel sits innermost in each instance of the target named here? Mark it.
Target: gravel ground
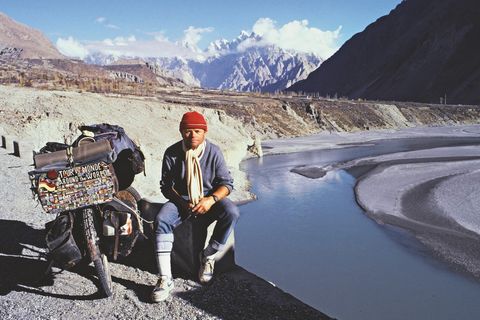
(73, 294)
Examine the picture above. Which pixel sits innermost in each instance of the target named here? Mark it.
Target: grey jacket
(214, 170)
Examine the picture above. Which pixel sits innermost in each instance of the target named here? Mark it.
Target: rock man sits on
(196, 181)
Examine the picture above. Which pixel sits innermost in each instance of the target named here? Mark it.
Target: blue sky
(89, 23)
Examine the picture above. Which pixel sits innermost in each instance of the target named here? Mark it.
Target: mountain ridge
(422, 51)
(240, 64)
(18, 40)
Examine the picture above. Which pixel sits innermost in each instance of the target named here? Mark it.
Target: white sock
(164, 265)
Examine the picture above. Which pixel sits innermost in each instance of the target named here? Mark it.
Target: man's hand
(184, 205)
(203, 206)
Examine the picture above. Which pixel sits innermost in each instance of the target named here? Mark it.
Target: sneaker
(205, 273)
(162, 289)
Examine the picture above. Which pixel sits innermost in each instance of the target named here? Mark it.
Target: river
(310, 238)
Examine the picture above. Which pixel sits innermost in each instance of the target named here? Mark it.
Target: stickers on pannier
(73, 188)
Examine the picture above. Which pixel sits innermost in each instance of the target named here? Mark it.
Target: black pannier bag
(128, 159)
(62, 248)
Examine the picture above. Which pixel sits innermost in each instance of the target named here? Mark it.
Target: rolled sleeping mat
(88, 152)
(44, 159)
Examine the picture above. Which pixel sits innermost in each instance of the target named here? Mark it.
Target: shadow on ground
(238, 294)
(27, 272)
(18, 268)
(14, 235)
(141, 257)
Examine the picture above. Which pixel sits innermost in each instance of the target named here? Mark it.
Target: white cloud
(296, 35)
(71, 48)
(158, 46)
(104, 21)
(158, 35)
(120, 41)
(108, 42)
(192, 36)
(264, 26)
(112, 26)
(132, 47)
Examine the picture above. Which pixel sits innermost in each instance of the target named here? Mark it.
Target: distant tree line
(55, 80)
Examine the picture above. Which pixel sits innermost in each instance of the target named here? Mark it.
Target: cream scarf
(194, 172)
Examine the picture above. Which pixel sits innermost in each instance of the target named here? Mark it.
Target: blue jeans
(225, 212)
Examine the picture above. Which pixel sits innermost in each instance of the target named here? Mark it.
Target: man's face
(193, 137)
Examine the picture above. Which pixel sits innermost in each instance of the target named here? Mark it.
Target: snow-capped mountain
(266, 68)
(101, 58)
(243, 64)
(223, 46)
(177, 68)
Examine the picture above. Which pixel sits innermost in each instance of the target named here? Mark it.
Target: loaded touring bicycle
(87, 186)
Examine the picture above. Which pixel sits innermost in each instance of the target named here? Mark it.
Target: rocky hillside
(175, 68)
(20, 41)
(27, 58)
(142, 72)
(239, 121)
(424, 50)
(68, 74)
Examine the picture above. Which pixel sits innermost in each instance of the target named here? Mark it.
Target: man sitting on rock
(196, 181)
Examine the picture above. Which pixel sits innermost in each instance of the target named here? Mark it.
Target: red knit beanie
(193, 120)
